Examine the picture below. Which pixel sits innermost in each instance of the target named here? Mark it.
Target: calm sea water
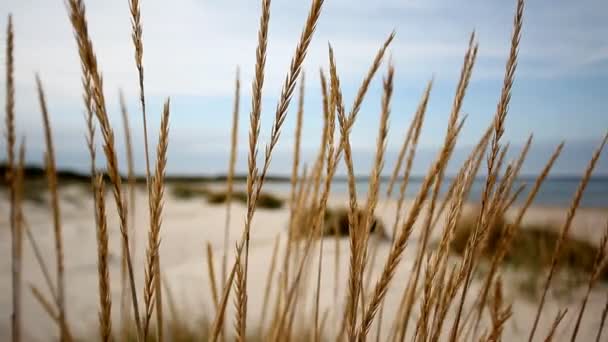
(554, 191)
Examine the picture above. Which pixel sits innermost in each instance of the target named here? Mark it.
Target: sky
(193, 47)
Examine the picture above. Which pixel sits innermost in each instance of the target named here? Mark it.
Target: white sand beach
(189, 224)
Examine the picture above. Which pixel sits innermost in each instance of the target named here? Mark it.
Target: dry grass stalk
(512, 228)
(294, 175)
(252, 175)
(566, 229)
(352, 116)
(77, 14)
(38, 255)
(19, 224)
(558, 318)
(499, 313)
(51, 174)
(10, 179)
(353, 280)
(241, 298)
(124, 299)
(269, 279)
(281, 111)
(401, 156)
(417, 123)
(136, 36)
(44, 303)
(212, 278)
(442, 291)
(318, 329)
(48, 308)
(518, 164)
(499, 120)
(467, 68)
(280, 115)
(365, 86)
(601, 258)
(254, 132)
(496, 261)
(152, 274)
(231, 167)
(105, 301)
(398, 247)
(476, 156)
(330, 170)
(130, 166)
(320, 162)
(374, 182)
(602, 321)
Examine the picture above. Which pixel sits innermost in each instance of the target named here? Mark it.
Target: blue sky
(192, 48)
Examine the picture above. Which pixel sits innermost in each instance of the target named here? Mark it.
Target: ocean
(555, 192)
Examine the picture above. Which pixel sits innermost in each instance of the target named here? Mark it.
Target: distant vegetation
(185, 191)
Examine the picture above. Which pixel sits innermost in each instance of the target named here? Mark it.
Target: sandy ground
(188, 225)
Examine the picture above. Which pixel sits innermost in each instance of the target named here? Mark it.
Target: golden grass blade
(477, 156)
(353, 279)
(566, 229)
(601, 259)
(602, 322)
(124, 299)
(280, 115)
(51, 174)
(499, 314)
(508, 183)
(254, 132)
(398, 247)
(152, 275)
(38, 255)
(560, 316)
(400, 157)
(294, 172)
(352, 116)
(320, 162)
(318, 328)
(231, 166)
(281, 111)
(19, 185)
(252, 175)
(77, 13)
(136, 36)
(330, 170)
(374, 182)
(417, 123)
(44, 303)
(499, 119)
(241, 297)
(269, 279)
(453, 126)
(105, 301)
(443, 292)
(10, 179)
(130, 165)
(211, 271)
(10, 98)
